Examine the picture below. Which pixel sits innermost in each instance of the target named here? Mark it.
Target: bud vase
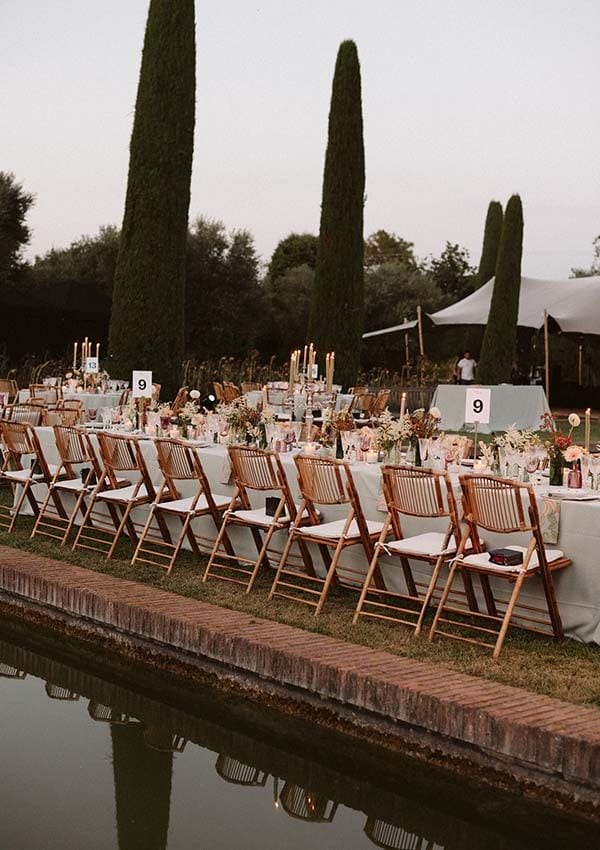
(557, 465)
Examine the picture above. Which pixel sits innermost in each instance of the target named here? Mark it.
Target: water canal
(91, 763)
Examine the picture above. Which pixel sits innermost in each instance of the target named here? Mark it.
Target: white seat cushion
(124, 494)
(331, 530)
(430, 544)
(483, 560)
(24, 475)
(183, 506)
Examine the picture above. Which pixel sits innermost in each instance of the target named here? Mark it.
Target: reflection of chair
(394, 837)
(8, 672)
(163, 741)
(105, 714)
(238, 773)
(502, 507)
(306, 805)
(57, 692)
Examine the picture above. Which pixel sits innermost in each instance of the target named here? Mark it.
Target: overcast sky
(463, 101)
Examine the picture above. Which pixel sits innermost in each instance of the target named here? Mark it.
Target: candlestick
(402, 405)
(588, 428)
(304, 359)
(98, 352)
(75, 356)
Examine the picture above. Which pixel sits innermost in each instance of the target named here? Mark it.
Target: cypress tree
(337, 308)
(500, 338)
(147, 321)
(491, 243)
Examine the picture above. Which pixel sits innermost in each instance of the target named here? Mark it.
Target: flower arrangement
(391, 432)
(557, 445)
(343, 420)
(328, 433)
(516, 440)
(422, 424)
(243, 421)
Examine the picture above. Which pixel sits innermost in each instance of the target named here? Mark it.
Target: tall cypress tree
(491, 243)
(337, 309)
(500, 338)
(147, 321)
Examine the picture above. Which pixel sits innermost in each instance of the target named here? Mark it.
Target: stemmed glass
(595, 470)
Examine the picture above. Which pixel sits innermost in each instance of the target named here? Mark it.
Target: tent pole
(406, 355)
(546, 356)
(580, 364)
(420, 325)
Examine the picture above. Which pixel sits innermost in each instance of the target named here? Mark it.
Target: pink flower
(573, 453)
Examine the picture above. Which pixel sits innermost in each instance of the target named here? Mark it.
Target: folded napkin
(226, 476)
(550, 519)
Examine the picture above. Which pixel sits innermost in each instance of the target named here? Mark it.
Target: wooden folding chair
(31, 414)
(58, 416)
(219, 393)
(49, 395)
(119, 453)
(77, 475)
(324, 481)
(179, 463)
(502, 507)
(381, 402)
(180, 399)
(363, 404)
(21, 442)
(411, 492)
(230, 391)
(7, 385)
(249, 386)
(260, 472)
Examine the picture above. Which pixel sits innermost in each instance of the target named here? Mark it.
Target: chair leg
(142, 536)
(125, 521)
(331, 575)
(367, 584)
(218, 541)
(283, 561)
(445, 593)
(41, 513)
(429, 594)
(19, 504)
(507, 616)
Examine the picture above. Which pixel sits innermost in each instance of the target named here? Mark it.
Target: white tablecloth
(91, 401)
(577, 587)
(510, 405)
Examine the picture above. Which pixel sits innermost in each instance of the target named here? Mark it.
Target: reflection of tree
(142, 790)
(232, 770)
(394, 837)
(307, 805)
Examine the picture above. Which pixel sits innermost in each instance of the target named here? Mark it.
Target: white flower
(435, 412)
(574, 420)
(194, 394)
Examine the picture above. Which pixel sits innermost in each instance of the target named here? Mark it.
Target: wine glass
(595, 470)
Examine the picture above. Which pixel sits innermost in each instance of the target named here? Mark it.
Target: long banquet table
(578, 587)
(91, 401)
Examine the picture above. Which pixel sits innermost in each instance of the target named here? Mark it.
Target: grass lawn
(567, 670)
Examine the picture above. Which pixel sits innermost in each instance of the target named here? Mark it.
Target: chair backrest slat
(322, 480)
(496, 504)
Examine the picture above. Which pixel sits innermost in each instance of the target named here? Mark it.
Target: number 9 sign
(478, 404)
(141, 385)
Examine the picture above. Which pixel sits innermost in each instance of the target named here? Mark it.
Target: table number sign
(478, 403)
(91, 366)
(141, 385)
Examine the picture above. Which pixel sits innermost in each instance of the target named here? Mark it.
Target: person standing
(466, 369)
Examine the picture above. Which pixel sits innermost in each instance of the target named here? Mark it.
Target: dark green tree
(223, 297)
(89, 260)
(297, 249)
(147, 321)
(491, 244)
(383, 247)
(594, 269)
(336, 322)
(14, 232)
(452, 272)
(500, 338)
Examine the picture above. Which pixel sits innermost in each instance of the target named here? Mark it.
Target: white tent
(574, 304)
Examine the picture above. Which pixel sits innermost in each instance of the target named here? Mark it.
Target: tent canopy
(574, 304)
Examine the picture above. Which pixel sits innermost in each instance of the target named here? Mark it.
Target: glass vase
(557, 465)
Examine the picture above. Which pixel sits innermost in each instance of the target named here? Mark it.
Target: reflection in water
(8, 672)
(353, 790)
(238, 773)
(306, 805)
(142, 789)
(56, 692)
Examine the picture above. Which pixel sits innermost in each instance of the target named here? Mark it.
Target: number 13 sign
(141, 385)
(477, 404)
